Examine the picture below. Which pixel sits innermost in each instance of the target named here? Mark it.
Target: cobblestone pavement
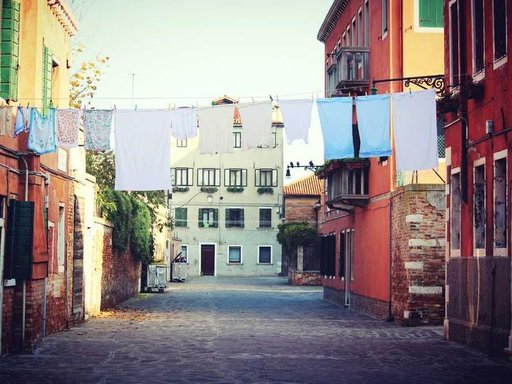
(219, 330)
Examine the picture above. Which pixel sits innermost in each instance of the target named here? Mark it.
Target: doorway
(207, 259)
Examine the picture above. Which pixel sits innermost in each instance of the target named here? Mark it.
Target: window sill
(500, 252)
(233, 263)
(479, 76)
(263, 228)
(499, 62)
(264, 263)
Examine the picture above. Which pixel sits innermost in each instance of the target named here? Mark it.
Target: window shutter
(20, 234)
(47, 78)
(215, 218)
(9, 57)
(431, 13)
(274, 177)
(228, 218)
(200, 218)
(242, 222)
(244, 177)
(217, 177)
(257, 178)
(227, 181)
(199, 177)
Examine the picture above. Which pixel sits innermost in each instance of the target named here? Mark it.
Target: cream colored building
(226, 207)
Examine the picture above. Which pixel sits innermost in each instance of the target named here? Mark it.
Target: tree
(293, 234)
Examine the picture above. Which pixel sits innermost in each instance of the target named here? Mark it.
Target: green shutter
(20, 234)
(47, 79)
(215, 218)
(200, 218)
(9, 49)
(180, 215)
(431, 13)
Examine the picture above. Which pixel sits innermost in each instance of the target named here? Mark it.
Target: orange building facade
(369, 44)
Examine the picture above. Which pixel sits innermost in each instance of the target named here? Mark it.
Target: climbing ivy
(131, 219)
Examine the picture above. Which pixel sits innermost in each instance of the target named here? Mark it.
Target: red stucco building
(477, 110)
(382, 238)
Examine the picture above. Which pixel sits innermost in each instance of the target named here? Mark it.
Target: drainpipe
(24, 304)
(2, 273)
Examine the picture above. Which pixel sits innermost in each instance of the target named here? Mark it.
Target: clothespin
(252, 99)
(410, 92)
(135, 107)
(115, 107)
(271, 99)
(312, 97)
(277, 98)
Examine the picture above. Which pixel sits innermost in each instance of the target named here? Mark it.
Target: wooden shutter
(229, 222)
(47, 79)
(215, 218)
(20, 234)
(431, 13)
(244, 177)
(9, 57)
(274, 177)
(200, 218)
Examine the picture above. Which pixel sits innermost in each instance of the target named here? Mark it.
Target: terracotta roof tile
(307, 186)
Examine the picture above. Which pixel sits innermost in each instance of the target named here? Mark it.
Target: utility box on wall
(20, 234)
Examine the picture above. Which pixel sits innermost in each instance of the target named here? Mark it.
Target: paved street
(213, 330)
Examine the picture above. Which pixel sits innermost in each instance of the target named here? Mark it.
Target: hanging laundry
(373, 124)
(142, 149)
(184, 123)
(97, 127)
(4, 112)
(296, 118)
(41, 138)
(256, 124)
(216, 129)
(22, 120)
(336, 122)
(67, 127)
(415, 129)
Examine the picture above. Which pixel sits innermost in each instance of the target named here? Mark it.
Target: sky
(186, 53)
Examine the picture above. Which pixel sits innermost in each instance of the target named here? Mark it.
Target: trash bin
(156, 277)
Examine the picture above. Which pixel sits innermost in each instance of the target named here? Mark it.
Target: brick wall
(121, 274)
(418, 246)
(304, 278)
(300, 208)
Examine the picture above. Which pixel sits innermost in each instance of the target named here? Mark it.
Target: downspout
(2, 272)
(24, 297)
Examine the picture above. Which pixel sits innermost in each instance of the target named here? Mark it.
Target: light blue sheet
(336, 122)
(373, 113)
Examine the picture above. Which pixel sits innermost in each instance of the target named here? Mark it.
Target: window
(349, 37)
(478, 35)
(499, 28)
(328, 255)
(366, 24)
(360, 29)
(454, 44)
(346, 254)
(274, 139)
(264, 254)
(500, 206)
(182, 177)
(234, 217)
(183, 257)
(479, 207)
(332, 80)
(234, 254)
(455, 213)
(181, 143)
(266, 177)
(348, 181)
(235, 177)
(208, 217)
(208, 177)
(431, 13)
(354, 33)
(180, 217)
(265, 217)
(344, 39)
(2, 233)
(10, 49)
(384, 18)
(61, 250)
(237, 139)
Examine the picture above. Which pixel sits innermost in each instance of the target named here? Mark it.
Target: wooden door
(208, 260)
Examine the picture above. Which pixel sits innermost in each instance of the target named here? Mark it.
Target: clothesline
(142, 134)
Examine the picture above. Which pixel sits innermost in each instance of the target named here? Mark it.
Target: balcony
(353, 68)
(347, 183)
